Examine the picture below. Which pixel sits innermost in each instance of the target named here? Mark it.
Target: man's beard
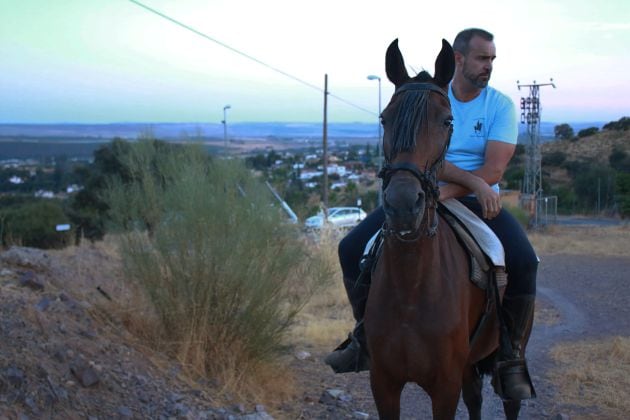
(476, 79)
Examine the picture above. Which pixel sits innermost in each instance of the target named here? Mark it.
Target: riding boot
(352, 355)
(512, 377)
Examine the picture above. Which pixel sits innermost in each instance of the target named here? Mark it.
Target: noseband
(427, 178)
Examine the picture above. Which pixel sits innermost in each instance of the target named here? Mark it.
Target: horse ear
(395, 65)
(444, 65)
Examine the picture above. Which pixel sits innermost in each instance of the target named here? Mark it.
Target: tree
(563, 131)
(622, 125)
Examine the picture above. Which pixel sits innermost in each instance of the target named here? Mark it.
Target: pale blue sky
(112, 61)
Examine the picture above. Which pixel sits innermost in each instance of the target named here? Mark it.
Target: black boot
(352, 355)
(512, 377)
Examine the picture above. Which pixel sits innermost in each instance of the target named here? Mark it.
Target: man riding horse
(482, 144)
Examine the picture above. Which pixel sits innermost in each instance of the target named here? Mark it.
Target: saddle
(484, 249)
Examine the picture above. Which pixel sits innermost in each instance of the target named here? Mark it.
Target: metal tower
(530, 115)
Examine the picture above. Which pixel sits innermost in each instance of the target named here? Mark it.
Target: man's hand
(489, 199)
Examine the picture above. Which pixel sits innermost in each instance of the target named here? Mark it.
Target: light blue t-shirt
(490, 116)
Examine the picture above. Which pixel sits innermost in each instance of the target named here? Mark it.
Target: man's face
(476, 65)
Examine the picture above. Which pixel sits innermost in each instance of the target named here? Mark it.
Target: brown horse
(422, 308)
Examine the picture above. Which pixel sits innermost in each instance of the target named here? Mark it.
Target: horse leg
(444, 399)
(471, 392)
(386, 391)
(511, 409)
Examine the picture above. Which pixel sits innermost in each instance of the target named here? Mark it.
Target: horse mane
(412, 112)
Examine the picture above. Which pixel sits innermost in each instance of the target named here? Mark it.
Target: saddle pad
(370, 243)
(485, 237)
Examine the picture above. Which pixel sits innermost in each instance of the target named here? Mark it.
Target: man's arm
(461, 183)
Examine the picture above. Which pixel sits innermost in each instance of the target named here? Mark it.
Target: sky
(100, 61)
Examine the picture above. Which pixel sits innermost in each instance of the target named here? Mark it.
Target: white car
(338, 217)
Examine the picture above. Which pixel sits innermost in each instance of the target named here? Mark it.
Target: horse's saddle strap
(479, 263)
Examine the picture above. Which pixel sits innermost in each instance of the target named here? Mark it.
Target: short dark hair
(462, 40)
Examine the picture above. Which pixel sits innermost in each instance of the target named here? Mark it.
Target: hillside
(65, 352)
(596, 147)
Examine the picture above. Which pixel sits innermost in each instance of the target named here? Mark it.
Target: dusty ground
(62, 356)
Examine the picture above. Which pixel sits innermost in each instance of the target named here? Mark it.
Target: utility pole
(225, 129)
(532, 180)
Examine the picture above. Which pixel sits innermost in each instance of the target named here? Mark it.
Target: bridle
(427, 178)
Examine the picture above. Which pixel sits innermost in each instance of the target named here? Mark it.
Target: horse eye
(448, 122)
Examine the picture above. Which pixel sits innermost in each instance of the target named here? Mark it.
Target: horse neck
(412, 266)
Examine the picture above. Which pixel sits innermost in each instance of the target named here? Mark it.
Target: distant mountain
(191, 130)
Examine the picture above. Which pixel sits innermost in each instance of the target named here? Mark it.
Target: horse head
(417, 126)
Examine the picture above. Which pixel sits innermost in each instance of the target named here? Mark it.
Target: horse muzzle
(404, 204)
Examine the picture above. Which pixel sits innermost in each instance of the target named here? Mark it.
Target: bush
(32, 223)
(224, 274)
(621, 125)
(587, 132)
(554, 158)
(519, 214)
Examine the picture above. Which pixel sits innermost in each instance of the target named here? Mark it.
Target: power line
(248, 56)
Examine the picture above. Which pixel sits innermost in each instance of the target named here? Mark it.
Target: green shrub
(223, 271)
(519, 214)
(33, 223)
(554, 158)
(587, 132)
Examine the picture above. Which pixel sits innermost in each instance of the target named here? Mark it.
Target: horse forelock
(411, 115)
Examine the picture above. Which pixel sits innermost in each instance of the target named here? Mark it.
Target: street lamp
(380, 138)
(224, 122)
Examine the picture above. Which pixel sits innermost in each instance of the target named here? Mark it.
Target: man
(483, 142)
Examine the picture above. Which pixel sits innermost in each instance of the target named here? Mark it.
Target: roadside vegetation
(222, 275)
(594, 375)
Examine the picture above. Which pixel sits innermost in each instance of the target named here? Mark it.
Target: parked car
(337, 216)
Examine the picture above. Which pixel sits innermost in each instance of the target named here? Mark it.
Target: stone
(30, 280)
(15, 376)
(360, 415)
(302, 355)
(43, 304)
(125, 412)
(85, 374)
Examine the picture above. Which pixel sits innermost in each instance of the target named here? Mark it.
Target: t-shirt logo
(478, 127)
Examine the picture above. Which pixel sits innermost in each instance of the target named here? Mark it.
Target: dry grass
(599, 241)
(327, 318)
(594, 374)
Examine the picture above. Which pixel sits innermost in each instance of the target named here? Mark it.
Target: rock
(302, 355)
(85, 374)
(124, 412)
(562, 416)
(335, 393)
(24, 257)
(175, 397)
(30, 280)
(5, 272)
(360, 415)
(15, 376)
(43, 304)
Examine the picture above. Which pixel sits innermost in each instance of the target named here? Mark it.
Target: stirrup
(509, 374)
